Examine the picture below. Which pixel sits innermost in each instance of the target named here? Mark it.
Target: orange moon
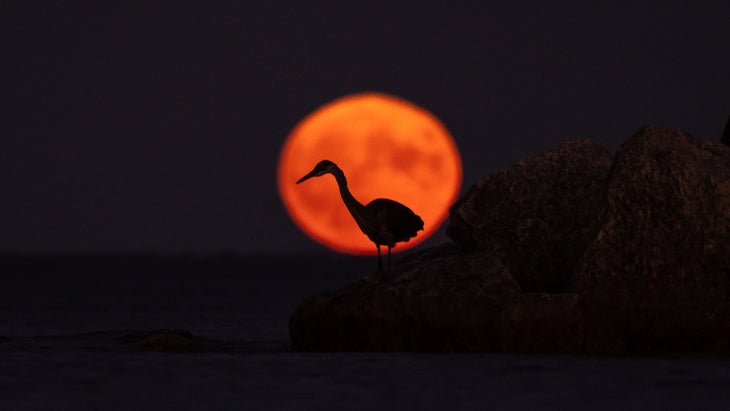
(388, 148)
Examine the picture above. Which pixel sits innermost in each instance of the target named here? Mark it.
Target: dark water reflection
(66, 329)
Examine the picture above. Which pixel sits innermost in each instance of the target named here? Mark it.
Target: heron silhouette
(384, 221)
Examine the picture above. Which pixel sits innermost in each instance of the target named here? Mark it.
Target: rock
(542, 323)
(537, 216)
(179, 341)
(725, 138)
(678, 328)
(168, 342)
(607, 329)
(629, 255)
(571, 323)
(439, 300)
(657, 275)
(664, 238)
(650, 328)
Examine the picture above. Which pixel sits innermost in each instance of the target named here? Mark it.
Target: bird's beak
(307, 177)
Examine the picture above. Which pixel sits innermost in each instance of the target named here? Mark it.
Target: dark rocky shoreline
(574, 250)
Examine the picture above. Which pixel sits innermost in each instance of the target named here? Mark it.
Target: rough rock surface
(665, 234)
(537, 216)
(627, 256)
(436, 301)
(649, 328)
(542, 323)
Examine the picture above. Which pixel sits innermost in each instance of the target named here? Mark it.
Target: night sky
(157, 127)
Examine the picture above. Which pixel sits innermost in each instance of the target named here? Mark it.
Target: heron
(384, 221)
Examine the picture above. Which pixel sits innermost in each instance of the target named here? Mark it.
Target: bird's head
(322, 168)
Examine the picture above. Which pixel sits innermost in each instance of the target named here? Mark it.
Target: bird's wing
(397, 220)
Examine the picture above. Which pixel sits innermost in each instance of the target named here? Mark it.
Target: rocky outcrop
(665, 225)
(624, 255)
(537, 216)
(439, 300)
(542, 323)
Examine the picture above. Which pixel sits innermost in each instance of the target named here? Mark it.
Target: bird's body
(383, 221)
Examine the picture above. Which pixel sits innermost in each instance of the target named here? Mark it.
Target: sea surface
(66, 324)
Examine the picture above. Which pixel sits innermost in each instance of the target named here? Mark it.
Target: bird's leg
(389, 257)
(380, 263)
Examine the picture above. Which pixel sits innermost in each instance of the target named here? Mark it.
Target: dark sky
(157, 127)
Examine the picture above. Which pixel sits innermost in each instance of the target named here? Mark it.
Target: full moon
(388, 148)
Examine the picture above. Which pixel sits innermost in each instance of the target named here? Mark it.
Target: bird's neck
(354, 206)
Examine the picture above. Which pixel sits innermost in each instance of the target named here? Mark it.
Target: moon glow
(388, 148)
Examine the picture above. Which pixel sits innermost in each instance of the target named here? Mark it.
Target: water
(65, 326)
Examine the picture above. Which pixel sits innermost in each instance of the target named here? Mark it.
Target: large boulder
(438, 301)
(542, 323)
(537, 216)
(622, 256)
(665, 226)
(651, 328)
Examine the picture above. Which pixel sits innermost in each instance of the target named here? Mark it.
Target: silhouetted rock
(169, 342)
(657, 274)
(537, 216)
(179, 341)
(439, 300)
(634, 252)
(542, 323)
(665, 233)
(725, 138)
(650, 328)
